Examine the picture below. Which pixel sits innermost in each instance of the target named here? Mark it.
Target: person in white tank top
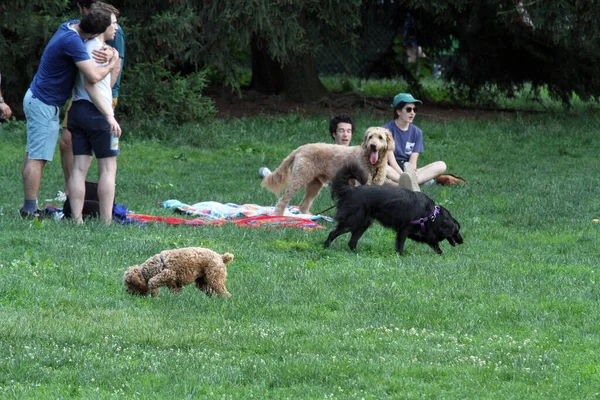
(93, 125)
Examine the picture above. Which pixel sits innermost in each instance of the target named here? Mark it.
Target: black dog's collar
(162, 262)
(421, 221)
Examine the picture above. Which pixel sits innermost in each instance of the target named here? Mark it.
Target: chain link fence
(375, 39)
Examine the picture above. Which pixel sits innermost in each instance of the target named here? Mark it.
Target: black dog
(410, 214)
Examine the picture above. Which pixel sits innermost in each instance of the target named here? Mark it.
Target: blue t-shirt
(407, 142)
(55, 76)
(119, 44)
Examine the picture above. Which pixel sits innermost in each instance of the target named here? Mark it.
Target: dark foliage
(170, 45)
(506, 44)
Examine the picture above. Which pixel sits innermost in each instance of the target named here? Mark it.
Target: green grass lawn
(511, 314)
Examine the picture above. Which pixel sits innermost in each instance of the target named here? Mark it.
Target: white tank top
(79, 92)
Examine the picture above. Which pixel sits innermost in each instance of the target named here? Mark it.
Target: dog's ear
(391, 145)
(134, 281)
(366, 137)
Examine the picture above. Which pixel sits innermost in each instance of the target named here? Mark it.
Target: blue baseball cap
(404, 98)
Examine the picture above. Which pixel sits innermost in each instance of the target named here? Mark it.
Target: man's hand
(104, 54)
(5, 111)
(115, 128)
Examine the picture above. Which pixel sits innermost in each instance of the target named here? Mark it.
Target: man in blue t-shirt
(66, 144)
(50, 89)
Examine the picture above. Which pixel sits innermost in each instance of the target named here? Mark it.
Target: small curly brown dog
(177, 268)
(313, 165)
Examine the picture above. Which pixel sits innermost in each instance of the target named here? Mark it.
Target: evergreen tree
(483, 42)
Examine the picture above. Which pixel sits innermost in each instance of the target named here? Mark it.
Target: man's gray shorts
(42, 127)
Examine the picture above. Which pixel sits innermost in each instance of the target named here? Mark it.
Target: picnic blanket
(206, 218)
(219, 211)
(144, 218)
(264, 221)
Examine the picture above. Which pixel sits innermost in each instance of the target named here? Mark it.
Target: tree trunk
(267, 75)
(301, 81)
(298, 79)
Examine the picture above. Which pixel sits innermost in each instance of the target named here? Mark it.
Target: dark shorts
(400, 163)
(90, 131)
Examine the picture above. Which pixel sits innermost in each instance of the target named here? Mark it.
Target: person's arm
(103, 55)
(393, 163)
(94, 74)
(5, 110)
(102, 106)
(413, 161)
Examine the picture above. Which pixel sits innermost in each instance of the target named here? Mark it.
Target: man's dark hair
(345, 119)
(95, 21)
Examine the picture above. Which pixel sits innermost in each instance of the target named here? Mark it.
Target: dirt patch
(251, 103)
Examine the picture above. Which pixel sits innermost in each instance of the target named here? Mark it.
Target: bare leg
(431, 171)
(66, 156)
(403, 180)
(391, 176)
(107, 171)
(390, 173)
(81, 164)
(32, 177)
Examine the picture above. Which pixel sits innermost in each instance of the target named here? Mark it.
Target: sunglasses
(410, 109)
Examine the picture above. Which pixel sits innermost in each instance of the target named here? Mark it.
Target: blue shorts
(42, 127)
(90, 131)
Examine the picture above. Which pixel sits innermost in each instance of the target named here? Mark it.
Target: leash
(327, 209)
(421, 221)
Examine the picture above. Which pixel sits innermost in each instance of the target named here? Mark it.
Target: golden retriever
(313, 165)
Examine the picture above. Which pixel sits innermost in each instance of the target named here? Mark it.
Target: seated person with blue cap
(409, 143)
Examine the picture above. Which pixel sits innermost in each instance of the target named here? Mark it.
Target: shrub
(149, 91)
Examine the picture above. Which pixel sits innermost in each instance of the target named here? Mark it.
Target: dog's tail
(276, 181)
(341, 182)
(227, 257)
